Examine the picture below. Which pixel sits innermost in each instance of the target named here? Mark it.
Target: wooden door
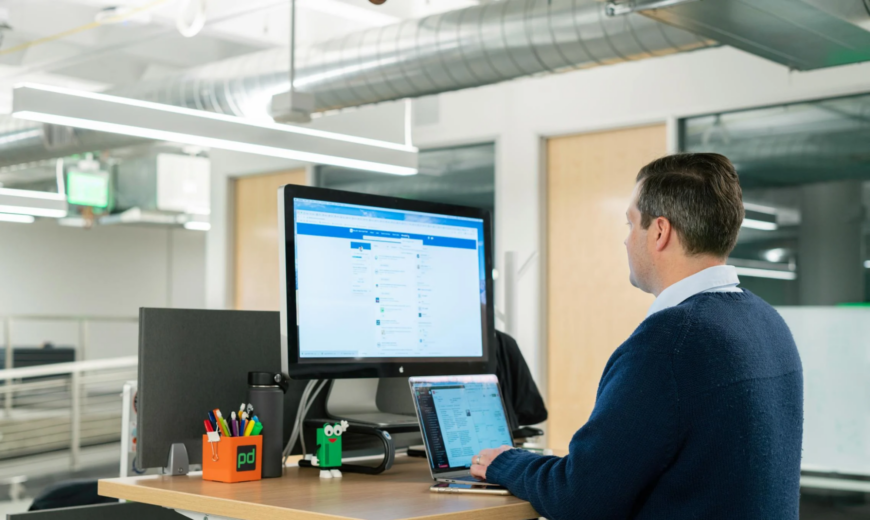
(592, 307)
(256, 239)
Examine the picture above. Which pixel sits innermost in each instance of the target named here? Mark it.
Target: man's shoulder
(709, 313)
(660, 331)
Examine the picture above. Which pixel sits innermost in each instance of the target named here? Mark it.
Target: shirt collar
(716, 278)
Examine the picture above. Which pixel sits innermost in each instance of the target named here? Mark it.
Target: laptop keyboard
(469, 478)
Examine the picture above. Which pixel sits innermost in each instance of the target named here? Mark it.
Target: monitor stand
(381, 402)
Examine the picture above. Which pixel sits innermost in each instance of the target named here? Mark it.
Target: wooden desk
(400, 493)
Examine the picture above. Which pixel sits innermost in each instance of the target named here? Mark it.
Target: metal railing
(62, 406)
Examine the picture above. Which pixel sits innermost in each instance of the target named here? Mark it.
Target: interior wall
(591, 306)
(51, 270)
(517, 114)
(256, 239)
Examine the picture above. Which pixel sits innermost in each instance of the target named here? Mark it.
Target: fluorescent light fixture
(20, 136)
(35, 203)
(759, 224)
(195, 225)
(31, 194)
(867, 264)
(37, 212)
(766, 273)
(21, 219)
(775, 255)
(759, 217)
(149, 120)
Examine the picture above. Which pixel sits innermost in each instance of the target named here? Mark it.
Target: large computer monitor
(378, 286)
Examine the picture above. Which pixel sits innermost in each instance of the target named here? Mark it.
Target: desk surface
(400, 493)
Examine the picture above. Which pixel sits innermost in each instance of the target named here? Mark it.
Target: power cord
(295, 433)
(305, 413)
(309, 395)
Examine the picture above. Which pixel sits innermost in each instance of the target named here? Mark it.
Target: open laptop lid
(459, 416)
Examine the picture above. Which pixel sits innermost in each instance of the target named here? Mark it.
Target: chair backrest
(116, 511)
(523, 402)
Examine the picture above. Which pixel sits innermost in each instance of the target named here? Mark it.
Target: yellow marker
(249, 428)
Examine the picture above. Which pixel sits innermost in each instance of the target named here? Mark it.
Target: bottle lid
(269, 379)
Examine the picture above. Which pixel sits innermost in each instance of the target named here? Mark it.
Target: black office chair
(523, 402)
(71, 493)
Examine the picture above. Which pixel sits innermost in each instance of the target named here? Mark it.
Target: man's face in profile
(639, 263)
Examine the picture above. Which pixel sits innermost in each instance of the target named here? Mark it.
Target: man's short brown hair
(699, 194)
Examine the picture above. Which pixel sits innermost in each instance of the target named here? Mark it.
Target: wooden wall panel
(592, 307)
(256, 239)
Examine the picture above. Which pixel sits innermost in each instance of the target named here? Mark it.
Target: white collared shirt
(720, 278)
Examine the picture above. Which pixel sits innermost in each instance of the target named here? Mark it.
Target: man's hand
(480, 462)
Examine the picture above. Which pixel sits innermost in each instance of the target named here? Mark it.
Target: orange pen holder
(232, 459)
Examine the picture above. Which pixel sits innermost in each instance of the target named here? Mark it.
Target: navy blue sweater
(699, 414)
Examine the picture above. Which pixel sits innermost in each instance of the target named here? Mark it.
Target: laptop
(459, 416)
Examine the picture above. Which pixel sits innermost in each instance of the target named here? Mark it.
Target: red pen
(208, 427)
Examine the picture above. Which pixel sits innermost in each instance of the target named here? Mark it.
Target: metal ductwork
(481, 45)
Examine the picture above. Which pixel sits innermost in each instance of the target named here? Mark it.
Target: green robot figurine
(329, 449)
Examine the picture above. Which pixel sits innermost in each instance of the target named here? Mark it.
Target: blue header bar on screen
(366, 211)
(372, 235)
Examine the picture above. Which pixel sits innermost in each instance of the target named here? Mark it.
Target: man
(699, 413)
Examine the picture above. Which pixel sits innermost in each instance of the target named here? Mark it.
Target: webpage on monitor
(378, 283)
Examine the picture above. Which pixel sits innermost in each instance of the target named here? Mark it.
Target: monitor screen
(460, 416)
(375, 283)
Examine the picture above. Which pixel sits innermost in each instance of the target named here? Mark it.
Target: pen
(208, 426)
(249, 428)
(222, 423)
(213, 419)
(258, 427)
(242, 424)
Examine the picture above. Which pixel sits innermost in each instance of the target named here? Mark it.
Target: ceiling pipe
(472, 47)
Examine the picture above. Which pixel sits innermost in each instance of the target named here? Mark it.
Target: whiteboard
(834, 345)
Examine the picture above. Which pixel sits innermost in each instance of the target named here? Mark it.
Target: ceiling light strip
(221, 117)
(766, 273)
(32, 194)
(759, 224)
(237, 146)
(20, 219)
(37, 212)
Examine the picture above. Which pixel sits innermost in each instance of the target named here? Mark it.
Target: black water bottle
(266, 394)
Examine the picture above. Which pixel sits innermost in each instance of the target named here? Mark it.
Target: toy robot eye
(338, 431)
(328, 431)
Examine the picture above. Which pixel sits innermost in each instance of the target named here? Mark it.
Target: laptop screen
(459, 416)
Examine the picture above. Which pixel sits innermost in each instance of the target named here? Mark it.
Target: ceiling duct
(481, 45)
(800, 34)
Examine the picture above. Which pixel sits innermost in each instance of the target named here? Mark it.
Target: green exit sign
(88, 189)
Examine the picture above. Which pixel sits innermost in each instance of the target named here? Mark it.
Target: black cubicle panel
(192, 361)
(124, 511)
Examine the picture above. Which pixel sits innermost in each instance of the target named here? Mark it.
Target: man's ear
(664, 233)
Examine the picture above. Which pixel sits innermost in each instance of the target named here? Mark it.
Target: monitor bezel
(346, 368)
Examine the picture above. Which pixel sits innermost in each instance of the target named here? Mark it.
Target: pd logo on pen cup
(246, 458)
